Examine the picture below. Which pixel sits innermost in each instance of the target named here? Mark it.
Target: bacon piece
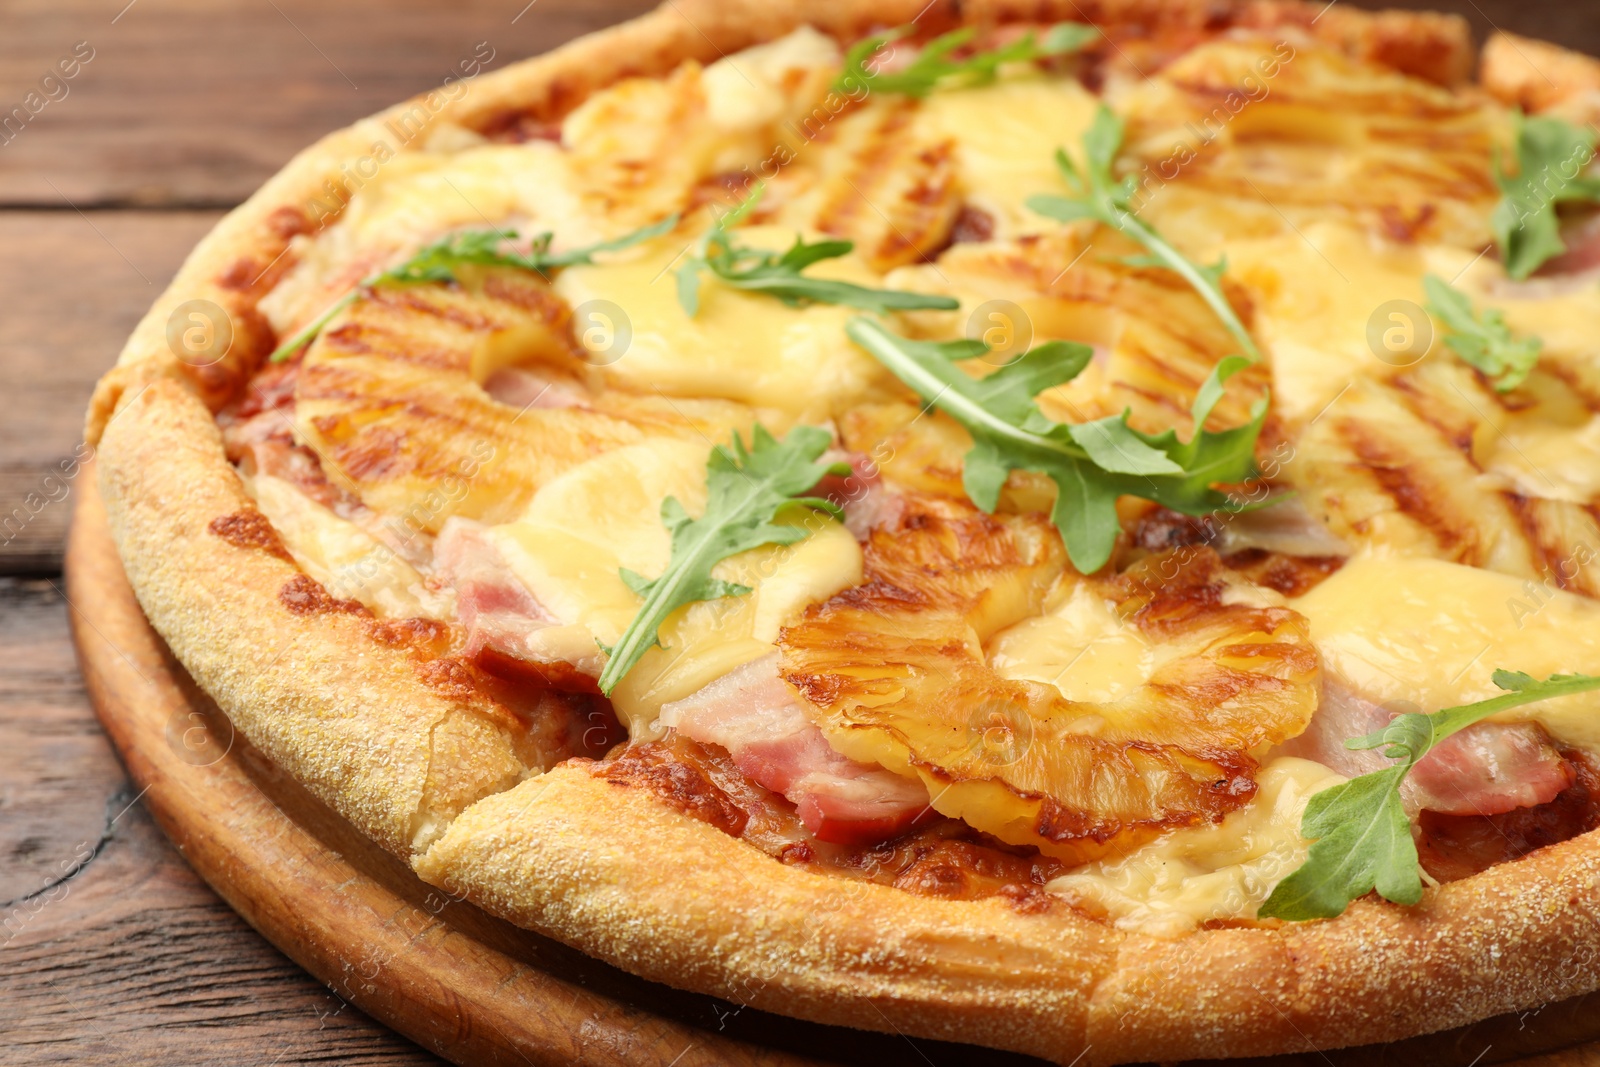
(752, 714)
(867, 501)
(497, 610)
(298, 466)
(505, 623)
(1583, 249)
(1457, 846)
(1287, 527)
(1488, 768)
(1341, 713)
(524, 390)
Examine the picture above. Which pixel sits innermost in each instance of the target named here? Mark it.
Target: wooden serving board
(472, 988)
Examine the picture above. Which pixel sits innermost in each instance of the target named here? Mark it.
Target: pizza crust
(1540, 77)
(310, 681)
(678, 901)
(444, 778)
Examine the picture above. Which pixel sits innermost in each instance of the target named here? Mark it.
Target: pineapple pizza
(1069, 527)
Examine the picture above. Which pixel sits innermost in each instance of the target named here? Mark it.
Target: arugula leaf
(1362, 838)
(1091, 463)
(1481, 340)
(1551, 156)
(745, 490)
(759, 271)
(1099, 196)
(438, 262)
(933, 68)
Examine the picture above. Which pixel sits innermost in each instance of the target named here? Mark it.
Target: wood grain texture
(73, 286)
(111, 948)
(192, 103)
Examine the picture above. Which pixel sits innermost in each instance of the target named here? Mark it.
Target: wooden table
(111, 950)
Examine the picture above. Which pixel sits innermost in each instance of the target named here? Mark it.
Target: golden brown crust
(402, 751)
(314, 682)
(679, 901)
(1537, 76)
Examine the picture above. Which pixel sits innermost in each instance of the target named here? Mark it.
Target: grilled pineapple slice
(389, 397)
(896, 673)
(1254, 137)
(1157, 340)
(1438, 464)
(901, 176)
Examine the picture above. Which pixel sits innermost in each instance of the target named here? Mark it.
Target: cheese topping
(1330, 187)
(1173, 884)
(740, 346)
(604, 515)
(1430, 633)
(1005, 138)
(1082, 648)
(1325, 294)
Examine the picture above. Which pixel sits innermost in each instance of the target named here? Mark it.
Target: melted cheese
(1316, 292)
(603, 515)
(1334, 148)
(1431, 633)
(1005, 138)
(1082, 648)
(1547, 459)
(741, 346)
(416, 196)
(1222, 871)
(348, 561)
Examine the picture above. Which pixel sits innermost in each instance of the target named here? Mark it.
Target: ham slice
(523, 389)
(1582, 238)
(867, 502)
(752, 714)
(1286, 527)
(503, 619)
(1488, 768)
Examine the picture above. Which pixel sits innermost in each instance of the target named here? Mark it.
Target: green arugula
(438, 262)
(1481, 340)
(745, 491)
(1099, 196)
(759, 271)
(1362, 838)
(933, 68)
(1091, 463)
(1551, 156)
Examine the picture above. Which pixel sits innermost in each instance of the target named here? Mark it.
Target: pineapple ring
(391, 398)
(894, 673)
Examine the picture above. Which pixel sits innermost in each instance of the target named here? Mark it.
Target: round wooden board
(472, 988)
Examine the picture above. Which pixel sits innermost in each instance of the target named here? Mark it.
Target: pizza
(1069, 527)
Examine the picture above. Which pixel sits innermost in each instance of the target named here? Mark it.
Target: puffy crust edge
(347, 715)
(1538, 76)
(547, 852)
(608, 868)
(676, 900)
